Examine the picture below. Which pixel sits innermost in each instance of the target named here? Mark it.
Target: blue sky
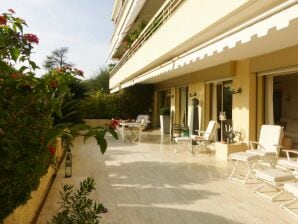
(84, 26)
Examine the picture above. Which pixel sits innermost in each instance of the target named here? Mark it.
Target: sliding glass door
(221, 101)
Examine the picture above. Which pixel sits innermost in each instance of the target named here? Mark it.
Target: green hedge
(127, 103)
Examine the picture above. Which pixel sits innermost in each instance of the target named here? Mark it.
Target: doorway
(221, 101)
(163, 100)
(281, 100)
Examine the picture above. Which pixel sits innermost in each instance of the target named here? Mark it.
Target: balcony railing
(160, 17)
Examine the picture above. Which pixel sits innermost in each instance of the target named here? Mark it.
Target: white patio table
(132, 127)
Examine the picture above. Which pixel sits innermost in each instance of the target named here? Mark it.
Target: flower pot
(165, 124)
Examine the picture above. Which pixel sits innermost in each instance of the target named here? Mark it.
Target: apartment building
(239, 57)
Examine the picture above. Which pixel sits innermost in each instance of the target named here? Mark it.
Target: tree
(57, 59)
(100, 81)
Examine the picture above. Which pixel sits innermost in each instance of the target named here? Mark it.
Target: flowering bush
(27, 106)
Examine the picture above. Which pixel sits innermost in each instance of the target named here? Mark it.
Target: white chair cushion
(274, 175)
(292, 188)
(180, 140)
(288, 163)
(244, 156)
(270, 137)
(261, 153)
(198, 138)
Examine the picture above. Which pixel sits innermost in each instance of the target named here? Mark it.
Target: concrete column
(244, 103)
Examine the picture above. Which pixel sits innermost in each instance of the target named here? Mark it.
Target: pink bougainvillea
(52, 149)
(31, 38)
(3, 20)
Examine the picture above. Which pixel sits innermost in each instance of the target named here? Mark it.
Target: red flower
(54, 84)
(3, 20)
(114, 124)
(52, 149)
(11, 11)
(31, 38)
(15, 75)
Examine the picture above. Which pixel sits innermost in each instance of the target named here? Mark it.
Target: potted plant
(165, 120)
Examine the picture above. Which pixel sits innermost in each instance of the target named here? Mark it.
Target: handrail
(160, 17)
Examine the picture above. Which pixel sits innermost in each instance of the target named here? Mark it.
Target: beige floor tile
(148, 183)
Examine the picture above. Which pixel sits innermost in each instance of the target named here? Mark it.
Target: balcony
(174, 29)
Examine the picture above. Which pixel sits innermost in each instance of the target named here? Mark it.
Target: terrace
(149, 183)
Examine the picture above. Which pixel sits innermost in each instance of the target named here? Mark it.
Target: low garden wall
(97, 122)
(28, 213)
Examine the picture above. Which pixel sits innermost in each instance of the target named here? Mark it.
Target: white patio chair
(267, 151)
(205, 138)
(272, 178)
(202, 140)
(290, 163)
(291, 188)
(269, 144)
(145, 119)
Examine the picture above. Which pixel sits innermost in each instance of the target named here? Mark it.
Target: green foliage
(132, 36)
(127, 103)
(26, 104)
(165, 111)
(27, 107)
(76, 207)
(100, 82)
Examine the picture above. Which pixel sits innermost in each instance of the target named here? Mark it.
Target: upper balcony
(130, 17)
(179, 26)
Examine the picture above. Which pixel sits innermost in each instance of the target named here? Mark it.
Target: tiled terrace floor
(148, 183)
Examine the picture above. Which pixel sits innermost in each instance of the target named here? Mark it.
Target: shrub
(25, 112)
(165, 111)
(27, 105)
(127, 103)
(76, 206)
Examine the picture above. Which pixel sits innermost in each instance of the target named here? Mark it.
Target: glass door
(221, 102)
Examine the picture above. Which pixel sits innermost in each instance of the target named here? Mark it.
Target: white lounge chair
(273, 178)
(267, 150)
(290, 163)
(291, 188)
(269, 144)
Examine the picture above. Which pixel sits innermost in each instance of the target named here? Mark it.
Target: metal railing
(160, 17)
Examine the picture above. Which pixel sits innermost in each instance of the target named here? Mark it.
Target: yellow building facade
(238, 57)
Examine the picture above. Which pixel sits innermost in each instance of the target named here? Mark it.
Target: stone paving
(148, 183)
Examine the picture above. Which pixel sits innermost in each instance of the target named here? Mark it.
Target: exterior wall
(279, 59)
(244, 104)
(248, 106)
